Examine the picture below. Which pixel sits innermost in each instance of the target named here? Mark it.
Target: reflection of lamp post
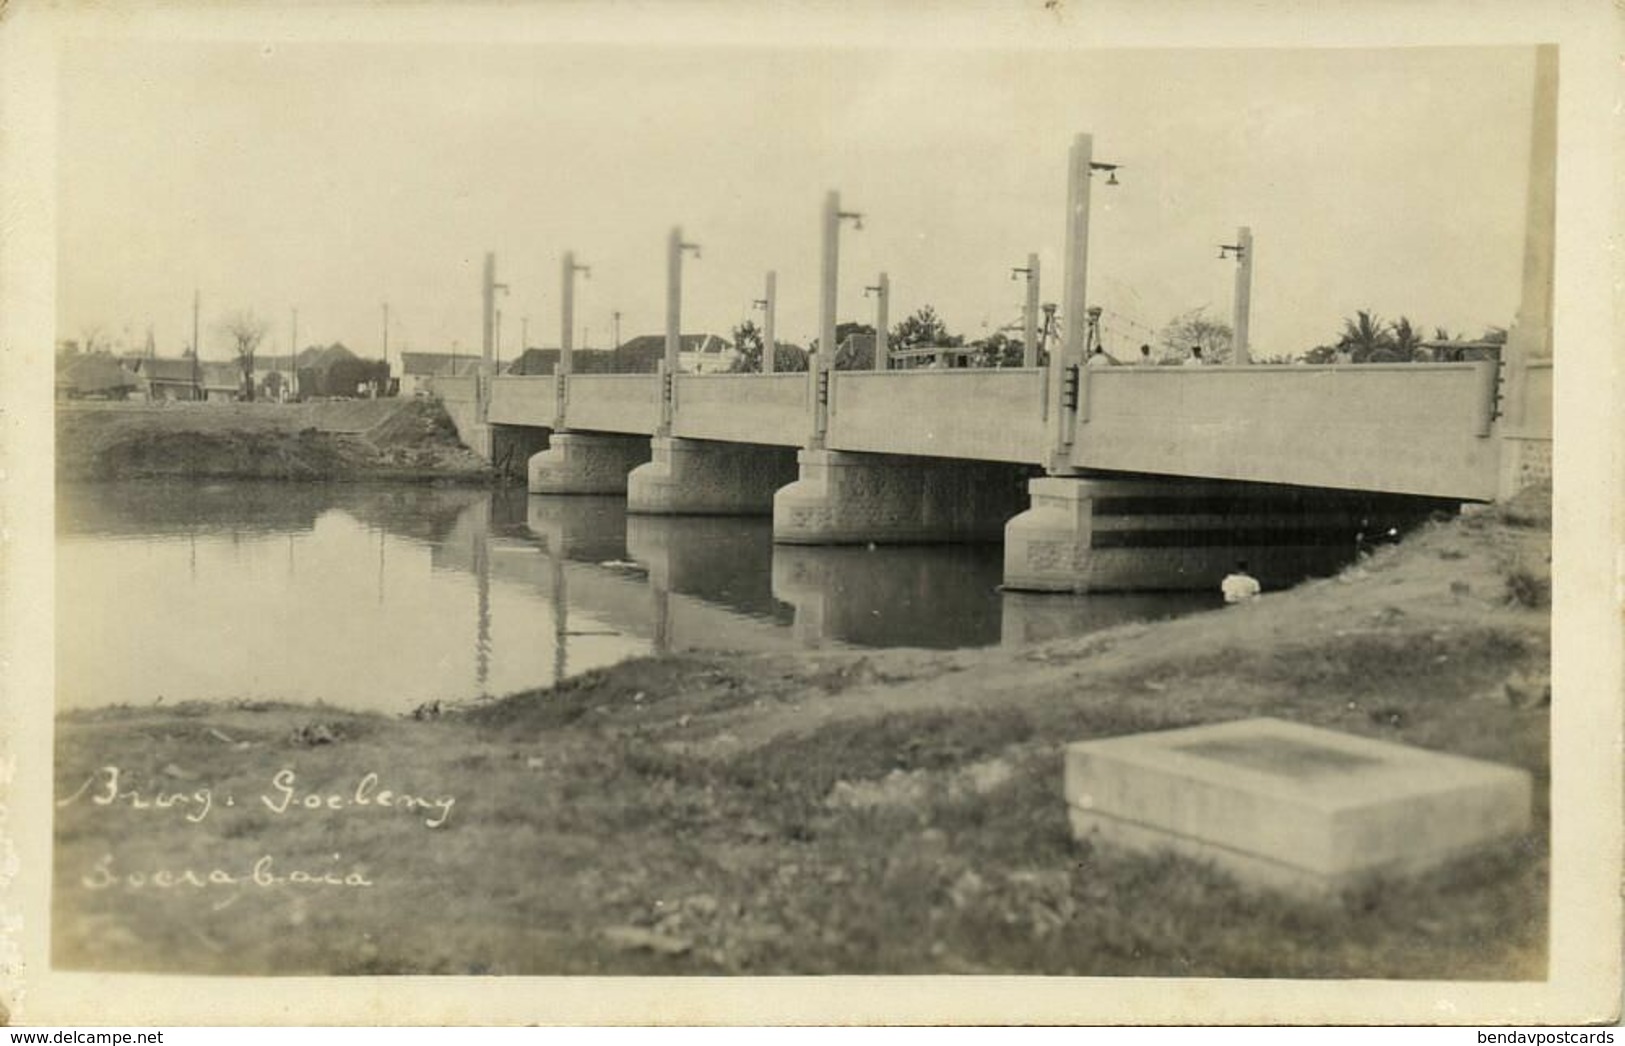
(1069, 397)
(769, 306)
(675, 246)
(882, 293)
(824, 361)
(1241, 309)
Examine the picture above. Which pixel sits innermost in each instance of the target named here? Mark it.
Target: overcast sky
(337, 176)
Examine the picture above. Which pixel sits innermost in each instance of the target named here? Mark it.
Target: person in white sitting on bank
(1239, 586)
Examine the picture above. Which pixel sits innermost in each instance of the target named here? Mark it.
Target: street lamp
(1029, 314)
(676, 246)
(769, 307)
(824, 361)
(1081, 168)
(568, 310)
(882, 293)
(1241, 307)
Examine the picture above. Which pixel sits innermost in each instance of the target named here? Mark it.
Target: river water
(386, 597)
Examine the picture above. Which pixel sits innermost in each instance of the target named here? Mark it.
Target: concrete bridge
(1095, 478)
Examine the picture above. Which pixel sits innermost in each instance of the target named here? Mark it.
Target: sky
(334, 177)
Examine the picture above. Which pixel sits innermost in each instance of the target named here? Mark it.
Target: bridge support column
(690, 477)
(1117, 535)
(582, 463)
(844, 498)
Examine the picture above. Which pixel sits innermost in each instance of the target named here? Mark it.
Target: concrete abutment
(1091, 534)
(707, 478)
(586, 463)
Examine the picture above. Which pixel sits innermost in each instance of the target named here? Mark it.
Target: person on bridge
(1239, 586)
(1145, 359)
(1195, 358)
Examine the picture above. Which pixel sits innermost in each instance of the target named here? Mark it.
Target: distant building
(546, 361)
(418, 369)
(94, 376)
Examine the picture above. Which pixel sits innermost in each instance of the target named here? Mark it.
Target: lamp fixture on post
(1111, 170)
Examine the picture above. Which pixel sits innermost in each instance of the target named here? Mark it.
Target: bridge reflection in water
(385, 597)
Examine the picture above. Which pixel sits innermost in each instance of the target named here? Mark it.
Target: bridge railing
(1380, 427)
(524, 400)
(612, 402)
(984, 414)
(770, 409)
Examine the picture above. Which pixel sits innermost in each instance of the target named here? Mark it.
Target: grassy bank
(401, 440)
(892, 812)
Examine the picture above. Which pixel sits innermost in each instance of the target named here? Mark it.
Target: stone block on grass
(1291, 807)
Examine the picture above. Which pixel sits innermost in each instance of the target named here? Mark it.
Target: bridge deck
(1399, 428)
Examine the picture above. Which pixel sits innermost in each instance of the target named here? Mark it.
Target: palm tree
(1365, 335)
(1407, 339)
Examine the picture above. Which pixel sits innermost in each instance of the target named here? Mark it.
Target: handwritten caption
(284, 796)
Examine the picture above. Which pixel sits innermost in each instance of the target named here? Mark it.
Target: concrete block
(1291, 807)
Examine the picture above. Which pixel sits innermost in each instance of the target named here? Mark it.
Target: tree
(1196, 327)
(748, 347)
(1407, 340)
(246, 331)
(1366, 335)
(998, 350)
(925, 327)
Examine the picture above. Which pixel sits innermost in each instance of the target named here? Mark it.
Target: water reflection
(387, 597)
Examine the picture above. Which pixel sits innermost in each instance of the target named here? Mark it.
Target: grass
(610, 825)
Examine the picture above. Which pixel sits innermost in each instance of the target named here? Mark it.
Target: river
(385, 597)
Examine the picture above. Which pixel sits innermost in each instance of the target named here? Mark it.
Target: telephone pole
(197, 367)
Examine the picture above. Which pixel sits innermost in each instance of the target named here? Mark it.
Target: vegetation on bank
(401, 440)
(823, 812)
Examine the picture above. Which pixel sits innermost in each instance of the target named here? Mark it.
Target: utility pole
(524, 334)
(197, 365)
(293, 354)
(386, 333)
(882, 292)
(490, 286)
(617, 317)
(499, 339)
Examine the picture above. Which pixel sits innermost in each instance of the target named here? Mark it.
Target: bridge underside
(1162, 478)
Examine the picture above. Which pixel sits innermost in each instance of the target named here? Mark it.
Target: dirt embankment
(384, 439)
(826, 812)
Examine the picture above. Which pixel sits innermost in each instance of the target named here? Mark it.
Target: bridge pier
(586, 463)
(845, 498)
(690, 477)
(1088, 534)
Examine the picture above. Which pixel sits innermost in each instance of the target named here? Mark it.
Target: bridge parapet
(976, 415)
(524, 400)
(1410, 428)
(768, 409)
(612, 402)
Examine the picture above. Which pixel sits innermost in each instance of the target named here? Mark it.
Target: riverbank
(882, 812)
(397, 440)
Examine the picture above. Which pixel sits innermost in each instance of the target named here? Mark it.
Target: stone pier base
(689, 477)
(1133, 534)
(583, 463)
(847, 498)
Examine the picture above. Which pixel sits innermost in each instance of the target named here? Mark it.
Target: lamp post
(882, 293)
(1241, 307)
(567, 299)
(824, 361)
(490, 286)
(1069, 405)
(1029, 312)
(675, 247)
(769, 306)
